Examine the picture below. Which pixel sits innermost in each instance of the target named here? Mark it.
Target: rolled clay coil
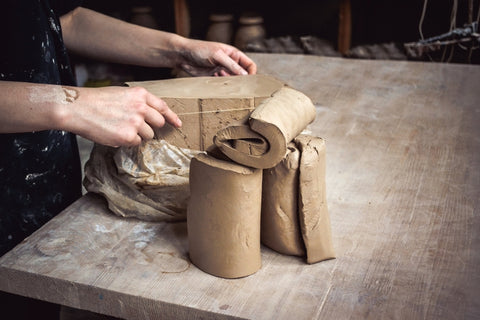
(280, 228)
(223, 217)
(262, 141)
(312, 201)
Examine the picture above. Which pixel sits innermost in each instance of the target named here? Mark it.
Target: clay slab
(312, 205)
(207, 104)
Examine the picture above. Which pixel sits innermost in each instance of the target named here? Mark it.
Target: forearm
(93, 34)
(27, 107)
(112, 116)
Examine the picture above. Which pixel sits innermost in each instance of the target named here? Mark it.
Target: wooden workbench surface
(403, 190)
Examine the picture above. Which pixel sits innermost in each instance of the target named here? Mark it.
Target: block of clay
(223, 217)
(312, 202)
(280, 229)
(262, 141)
(208, 104)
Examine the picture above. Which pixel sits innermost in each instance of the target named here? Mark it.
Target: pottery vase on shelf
(221, 28)
(250, 29)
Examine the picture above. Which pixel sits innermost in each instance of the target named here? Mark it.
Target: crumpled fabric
(149, 182)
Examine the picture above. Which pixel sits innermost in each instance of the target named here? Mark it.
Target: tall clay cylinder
(223, 217)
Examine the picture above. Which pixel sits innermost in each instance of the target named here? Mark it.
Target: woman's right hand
(115, 116)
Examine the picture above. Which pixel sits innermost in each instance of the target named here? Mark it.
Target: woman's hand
(114, 116)
(98, 36)
(117, 116)
(206, 58)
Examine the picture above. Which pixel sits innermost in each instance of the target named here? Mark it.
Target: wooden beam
(344, 26)
(182, 18)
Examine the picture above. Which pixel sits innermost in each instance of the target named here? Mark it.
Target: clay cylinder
(223, 217)
(280, 228)
(271, 126)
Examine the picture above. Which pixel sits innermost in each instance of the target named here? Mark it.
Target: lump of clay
(208, 104)
(312, 202)
(280, 222)
(223, 217)
(262, 141)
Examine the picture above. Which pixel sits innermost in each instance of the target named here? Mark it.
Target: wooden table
(403, 189)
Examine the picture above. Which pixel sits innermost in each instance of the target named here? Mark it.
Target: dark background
(373, 21)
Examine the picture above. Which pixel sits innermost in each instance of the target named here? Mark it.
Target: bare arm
(115, 116)
(93, 34)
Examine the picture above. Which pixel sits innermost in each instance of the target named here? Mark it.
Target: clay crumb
(70, 94)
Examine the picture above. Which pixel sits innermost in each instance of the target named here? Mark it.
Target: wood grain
(403, 186)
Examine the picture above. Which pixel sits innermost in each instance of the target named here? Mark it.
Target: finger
(244, 61)
(247, 63)
(154, 118)
(201, 71)
(146, 132)
(226, 61)
(160, 105)
(188, 69)
(130, 143)
(223, 73)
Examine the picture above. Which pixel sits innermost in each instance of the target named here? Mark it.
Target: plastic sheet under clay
(148, 182)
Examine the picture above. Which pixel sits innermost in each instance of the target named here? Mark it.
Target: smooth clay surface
(312, 205)
(223, 217)
(208, 104)
(262, 141)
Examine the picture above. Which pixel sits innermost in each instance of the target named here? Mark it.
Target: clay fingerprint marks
(188, 136)
(277, 120)
(312, 203)
(280, 229)
(219, 113)
(223, 217)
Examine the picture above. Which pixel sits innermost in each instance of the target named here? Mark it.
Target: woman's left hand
(207, 58)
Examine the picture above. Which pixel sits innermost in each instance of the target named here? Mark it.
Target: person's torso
(39, 171)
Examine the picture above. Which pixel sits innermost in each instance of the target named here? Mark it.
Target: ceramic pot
(221, 28)
(250, 29)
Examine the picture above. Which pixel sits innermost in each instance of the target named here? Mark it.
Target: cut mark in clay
(52, 94)
(212, 111)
